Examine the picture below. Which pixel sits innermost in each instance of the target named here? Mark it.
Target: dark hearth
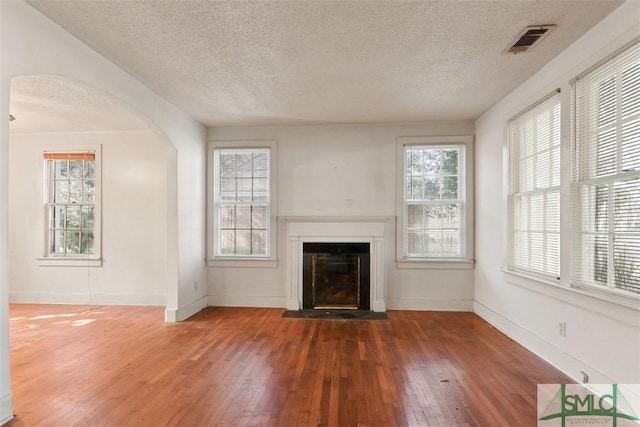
(336, 276)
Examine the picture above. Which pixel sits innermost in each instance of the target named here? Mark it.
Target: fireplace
(336, 276)
(360, 242)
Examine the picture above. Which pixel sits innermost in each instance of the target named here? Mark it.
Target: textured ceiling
(306, 62)
(44, 104)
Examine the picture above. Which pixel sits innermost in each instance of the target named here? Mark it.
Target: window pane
(553, 254)
(450, 242)
(72, 242)
(73, 217)
(75, 191)
(626, 259)
(414, 243)
(607, 101)
(450, 162)
(606, 153)
(58, 217)
(432, 188)
(244, 165)
(228, 189)
(88, 215)
(259, 242)
(61, 192)
(227, 165)
(537, 212)
(87, 243)
(450, 188)
(61, 168)
(433, 217)
(243, 217)
(553, 212)
(451, 216)
(227, 242)
(259, 219)
(631, 91)
(57, 242)
(631, 145)
(260, 189)
(75, 169)
(415, 215)
(600, 257)
(89, 169)
(433, 243)
(227, 216)
(89, 191)
(243, 242)
(627, 206)
(261, 165)
(415, 187)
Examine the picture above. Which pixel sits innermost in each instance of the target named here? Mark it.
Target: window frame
(466, 260)
(516, 192)
(584, 173)
(72, 260)
(215, 260)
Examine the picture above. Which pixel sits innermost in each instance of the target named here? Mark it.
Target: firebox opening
(336, 276)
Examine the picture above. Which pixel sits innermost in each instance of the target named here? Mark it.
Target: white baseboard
(246, 301)
(555, 356)
(82, 298)
(429, 304)
(185, 312)
(6, 408)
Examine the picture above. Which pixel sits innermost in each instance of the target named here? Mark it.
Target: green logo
(581, 406)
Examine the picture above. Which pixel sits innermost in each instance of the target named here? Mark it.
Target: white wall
(134, 208)
(602, 339)
(343, 171)
(33, 45)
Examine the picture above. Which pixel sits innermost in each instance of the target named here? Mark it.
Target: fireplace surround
(368, 231)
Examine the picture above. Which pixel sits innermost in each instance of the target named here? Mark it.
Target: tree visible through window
(71, 203)
(434, 194)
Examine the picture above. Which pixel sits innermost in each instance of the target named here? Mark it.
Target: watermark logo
(580, 404)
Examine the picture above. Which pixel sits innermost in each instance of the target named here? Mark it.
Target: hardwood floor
(123, 366)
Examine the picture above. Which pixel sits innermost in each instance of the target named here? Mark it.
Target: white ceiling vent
(529, 37)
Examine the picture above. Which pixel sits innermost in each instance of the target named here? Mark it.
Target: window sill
(604, 301)
(435, 264)
(242, 262)
(69, 262)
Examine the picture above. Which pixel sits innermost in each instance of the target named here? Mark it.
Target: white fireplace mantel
(301, 230)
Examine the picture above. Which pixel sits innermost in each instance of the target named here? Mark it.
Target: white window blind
(606, 174)
(241, 202)
(434, 201)
(534, 189)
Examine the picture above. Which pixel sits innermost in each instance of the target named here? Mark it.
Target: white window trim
(510, 195)
(564, 289)
(80, 260)
(270, 261)
(463, 263)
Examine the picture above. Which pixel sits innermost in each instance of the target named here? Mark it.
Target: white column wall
(33, 45)
(602, 338)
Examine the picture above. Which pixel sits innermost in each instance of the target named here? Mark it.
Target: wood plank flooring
(123, 366)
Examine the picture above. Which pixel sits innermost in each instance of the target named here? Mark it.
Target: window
(605, 186)
(433, 213)
(242, 216)
(72, 205)
(534, 189)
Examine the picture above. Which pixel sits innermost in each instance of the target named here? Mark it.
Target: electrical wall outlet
(562, 328)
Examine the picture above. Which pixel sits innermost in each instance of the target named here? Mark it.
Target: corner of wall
(183, 313)
(6, 408)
